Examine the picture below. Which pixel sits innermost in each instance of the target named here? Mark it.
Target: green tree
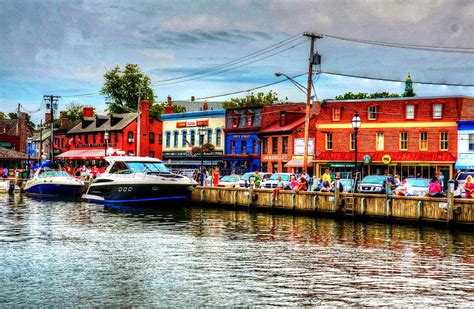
(159, 108)
(14, 115)
(74, 111)
(122, 88)
(259, 99)
(364, 95)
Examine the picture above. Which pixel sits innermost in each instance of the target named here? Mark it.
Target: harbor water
(57, 253)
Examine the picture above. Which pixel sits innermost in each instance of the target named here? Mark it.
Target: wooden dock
(416, 209)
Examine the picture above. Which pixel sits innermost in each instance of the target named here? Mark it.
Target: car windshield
(139, 167)
(284, 177)
(229, 179)
(246, 176)
(54, 174)
(463, 176)
(419, 182)
(374, 179)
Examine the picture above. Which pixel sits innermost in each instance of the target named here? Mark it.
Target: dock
(446, 211)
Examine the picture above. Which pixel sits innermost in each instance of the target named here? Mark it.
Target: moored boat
(49, 179)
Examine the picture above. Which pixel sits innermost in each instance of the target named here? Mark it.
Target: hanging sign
(386, 159)
(299, 146)
(367, 159)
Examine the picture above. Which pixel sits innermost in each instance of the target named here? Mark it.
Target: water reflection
(69, 253)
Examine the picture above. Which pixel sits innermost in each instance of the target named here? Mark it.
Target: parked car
(420, 185)
(273, 181)
(186, 172)
(230, 181)
(374, 184)
(347, 184)
(461, 178)
(250, 178)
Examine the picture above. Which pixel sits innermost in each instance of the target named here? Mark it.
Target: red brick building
(14, 133)
(281, 125)
(86, 139)
(405, 136)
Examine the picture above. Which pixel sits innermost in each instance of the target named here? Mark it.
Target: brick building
(14, 133)
(86, 139)
(406, 136)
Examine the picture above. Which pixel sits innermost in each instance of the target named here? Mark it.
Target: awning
(295, 162)
(465, 161)
(81, 154)
(190, 162)
(400, 157)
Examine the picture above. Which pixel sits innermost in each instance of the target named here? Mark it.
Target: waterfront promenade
(447, 211)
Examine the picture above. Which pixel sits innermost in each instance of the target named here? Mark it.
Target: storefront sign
(275, 157)
(367, 159)
(192, 123)
(299, 146)
(386, 159)
(241, 136)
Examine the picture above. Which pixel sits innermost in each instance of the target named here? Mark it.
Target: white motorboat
(130, 179)
(49, 179)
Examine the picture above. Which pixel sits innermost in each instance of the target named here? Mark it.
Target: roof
(197, 106)
(44, 136)
(193, 115)
(10, 124)
(12, 154)
(400, 99)
(329, 156)
(125, 119)
(277, 128)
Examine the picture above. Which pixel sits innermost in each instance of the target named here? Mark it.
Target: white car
(272, 182)
(249, 177)
(230, 181)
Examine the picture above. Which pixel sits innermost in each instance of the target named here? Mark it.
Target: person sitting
(302, 185)
(457, 190)
(293, 182)
(279, 187)
(388, 188)
(406, 189)
(333, 186)
(434, 188)
(326, 186)
(469, 187)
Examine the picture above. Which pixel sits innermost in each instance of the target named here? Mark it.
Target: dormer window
(372, 112)
(437, 111)
(282, 118)
(410, 111)
(235, 120)
(248, 119)
(336, 114)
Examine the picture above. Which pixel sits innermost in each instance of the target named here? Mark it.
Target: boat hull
(137, 193)
(54, 189)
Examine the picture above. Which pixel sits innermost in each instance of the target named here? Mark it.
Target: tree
(364, 95)
(74, 111)
(159, 108)
(259, 99)
(14, 115)
(123, 88)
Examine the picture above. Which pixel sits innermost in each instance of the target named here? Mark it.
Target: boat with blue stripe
(50, 179)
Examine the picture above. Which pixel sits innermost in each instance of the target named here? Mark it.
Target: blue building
(465, 161)
(242, 145)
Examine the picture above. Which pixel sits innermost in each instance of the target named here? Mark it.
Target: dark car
(374, 184)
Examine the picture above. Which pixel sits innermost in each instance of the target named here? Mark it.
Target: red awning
(328, 156)
(297, 163)
(79, 154)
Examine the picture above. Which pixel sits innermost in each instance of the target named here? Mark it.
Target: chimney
(192, 98)
(169, 100)
(205, 107)
(47, 118)
(63, 119)
(87, 112)
(144, 128)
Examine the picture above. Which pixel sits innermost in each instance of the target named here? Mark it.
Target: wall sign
(386, 159)
(275, 157)
(367, 159)
(192, 123)
(299, 146)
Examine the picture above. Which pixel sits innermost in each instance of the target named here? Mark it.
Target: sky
(65, 47)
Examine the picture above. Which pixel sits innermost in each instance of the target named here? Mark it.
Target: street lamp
(106, 140)
(356, 123)
(202, 133)
(29, 140)
(298, 85)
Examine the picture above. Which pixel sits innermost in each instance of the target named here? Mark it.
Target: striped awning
(79, 154)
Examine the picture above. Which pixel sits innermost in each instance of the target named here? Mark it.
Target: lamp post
(29, 140)
(356, 123)
(202, 133)
(106, 141)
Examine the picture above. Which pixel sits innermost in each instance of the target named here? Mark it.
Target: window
(353, 141)
(116, 136)
(218, 137)
(175, 139)
(168, 139)
(184, 135)
(248, 120)
(152, 138)
(372, 112)
(94, 141)
(328, 141)
(275, 167)
(275, 144)
(193, 137)
(410, 111)
(254, 146)
(443, 138)
(160, 139)
(265, 145)
(201, 139)
(152, 154)
(235, 121)
(403, 141)
(423, 140)
(284, 144)
(232, 146)
(437, 111)
(379, 142)
(86, 138)
(130, 153)
(336, 114)
(209, 136)
(471, 142)
(130, 138)
(265, 167)
(243, 147)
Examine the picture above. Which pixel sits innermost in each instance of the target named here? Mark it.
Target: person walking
(215, 177)
(469, 187)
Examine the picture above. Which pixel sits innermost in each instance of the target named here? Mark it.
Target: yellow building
(181, 131)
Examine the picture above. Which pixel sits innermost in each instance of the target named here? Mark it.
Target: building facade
(14, 133)
(128, 135)
(411, 137)
(465, 160)
(181, 133)
(242, 144)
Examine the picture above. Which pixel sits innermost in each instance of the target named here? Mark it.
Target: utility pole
(313, 38)
(41, 141)
(138, 123)
(52, 105)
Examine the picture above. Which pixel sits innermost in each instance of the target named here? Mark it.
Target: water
(55, 253)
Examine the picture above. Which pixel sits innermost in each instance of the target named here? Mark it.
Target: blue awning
(465, 161)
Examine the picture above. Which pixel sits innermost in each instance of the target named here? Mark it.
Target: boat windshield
(138, 167)
(53, 174)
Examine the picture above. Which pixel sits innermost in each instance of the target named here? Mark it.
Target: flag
(71, 141)
(189, 144)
